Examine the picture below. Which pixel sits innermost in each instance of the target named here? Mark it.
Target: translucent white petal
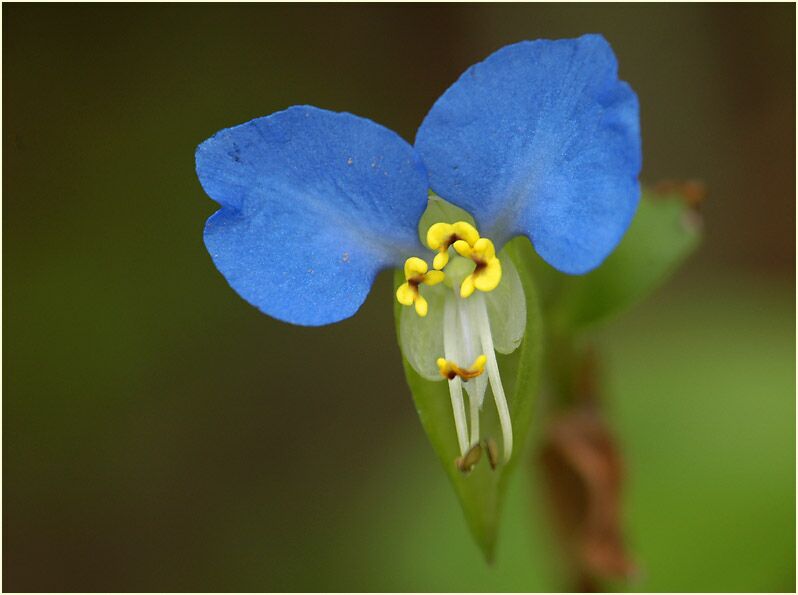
(421, 339)
(507, 309)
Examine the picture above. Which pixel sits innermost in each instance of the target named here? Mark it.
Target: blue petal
(541, 139)
(314, 205)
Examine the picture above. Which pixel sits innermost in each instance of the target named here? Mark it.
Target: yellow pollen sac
(416, 273)
(488, 272)
(442, 235)
(451, 370)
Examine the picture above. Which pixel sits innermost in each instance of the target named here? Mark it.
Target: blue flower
(541, 139)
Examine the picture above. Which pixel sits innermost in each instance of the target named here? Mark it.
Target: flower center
(442, 235)
(467, 335)
(465, 240)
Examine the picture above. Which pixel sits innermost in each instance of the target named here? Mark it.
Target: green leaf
(664, 232)
(481, 492)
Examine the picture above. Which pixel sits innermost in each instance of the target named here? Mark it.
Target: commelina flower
(540, 140)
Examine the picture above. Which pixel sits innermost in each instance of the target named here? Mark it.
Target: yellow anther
(441, 259)
(467, 286)
(451, 370)
(414, 267)
(422, 307)
(488, 272)
(416, 273)
(442, 235)
(406, 294)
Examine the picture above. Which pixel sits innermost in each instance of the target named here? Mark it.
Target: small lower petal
(507, 310)
(421, 339)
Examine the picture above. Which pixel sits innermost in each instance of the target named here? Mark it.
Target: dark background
(161, 434)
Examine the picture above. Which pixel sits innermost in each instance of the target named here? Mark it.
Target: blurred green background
(161, 434)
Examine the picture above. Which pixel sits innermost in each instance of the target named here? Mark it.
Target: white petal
(421, 339)
(507, 309)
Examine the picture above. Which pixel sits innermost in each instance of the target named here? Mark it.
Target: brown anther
(493, 452)
(451, 370)
(467, 462)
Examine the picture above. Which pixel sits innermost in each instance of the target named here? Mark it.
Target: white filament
(469, 349)
(450, 350)
(473, 406)
(480, 313)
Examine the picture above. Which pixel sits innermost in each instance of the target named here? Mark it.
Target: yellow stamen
(451, 370)
(488, 272)
(421, 306)
(416, 273)
(442, 235)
